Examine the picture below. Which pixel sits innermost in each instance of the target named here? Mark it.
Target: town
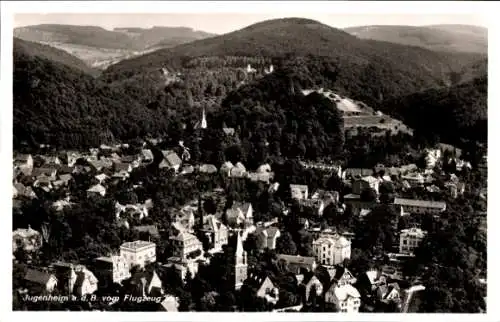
(238, 240)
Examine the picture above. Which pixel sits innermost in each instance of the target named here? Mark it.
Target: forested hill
(119, 38)
(454, 114)
(386, 69)
(453, 38)
(63, 106)
(28, 50)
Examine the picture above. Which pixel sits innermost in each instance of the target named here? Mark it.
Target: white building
(299, 191)
(409, 239)
(420, 206)
(331, 250)
(138, 252)
(113, 268)
(432, 157)
(346, 298)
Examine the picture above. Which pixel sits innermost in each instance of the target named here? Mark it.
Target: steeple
(203, 120)
(241, 266)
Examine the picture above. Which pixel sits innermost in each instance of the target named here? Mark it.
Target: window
(405, 242)
(344, 310)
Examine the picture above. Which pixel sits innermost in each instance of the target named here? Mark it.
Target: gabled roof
(38, 277)
(296, 259)
(208, 168)
(171, 158)
(121, 166)
(147, 154)
(419, 203)
(151, 229)
(97, 188)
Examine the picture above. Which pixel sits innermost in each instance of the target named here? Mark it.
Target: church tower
(241, 265)
(203, 120)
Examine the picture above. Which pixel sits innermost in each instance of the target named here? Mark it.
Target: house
(389, 293)
(187, 169)
(170, 160)
(216, 232)
(264, 286)
(138, 211)
(186, 246)
(266, 237)
(111, 269)
(264, 168)
(332, 250)
(133, 160)
(40, 282)
(341, 276)
(71, 157)
(238, 171)
(96, 190)
(325, 199)
(208, 168)
(169, 304)
(184, 219)
(226, 168)
(146, 283)
(298, 264)
(409, 239)
(60, 204)
(346, 298)
(420, 206)
(147, 156)
(27, 239)
(240, 214)
(138, 252)
(364, 183)
(308, 282)
(43, 182)
(23, 191)
(432, 156)
(299, 191)
(101, 178)
(79, 280)
(356, 172)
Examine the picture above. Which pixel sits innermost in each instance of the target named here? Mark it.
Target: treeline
(453, 114)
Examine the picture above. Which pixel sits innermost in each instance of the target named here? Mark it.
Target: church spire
(241, 266)
(203, 120)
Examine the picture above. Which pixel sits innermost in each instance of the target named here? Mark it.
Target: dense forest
(454, 114)
(27, 49)
(58, 103)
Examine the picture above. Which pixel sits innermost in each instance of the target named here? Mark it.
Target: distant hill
(28, 50)
(454, 38)
(57, 102)
(369, 70)
(100, 47)
(456, 113)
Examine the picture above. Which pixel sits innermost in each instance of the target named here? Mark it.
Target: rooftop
(419, 203)
(137, 244)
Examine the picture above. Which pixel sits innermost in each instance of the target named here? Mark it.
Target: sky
(220, 23)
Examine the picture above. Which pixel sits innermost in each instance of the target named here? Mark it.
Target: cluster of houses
(345, 292)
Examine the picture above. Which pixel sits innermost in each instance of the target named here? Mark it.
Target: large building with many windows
(331, 249)
(138, 252)
(409, 239)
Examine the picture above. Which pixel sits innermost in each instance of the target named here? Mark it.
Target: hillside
(99, 47)
(452, 38)
(454, 114)
(29, 49)
(377, 68)
(57, 103)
